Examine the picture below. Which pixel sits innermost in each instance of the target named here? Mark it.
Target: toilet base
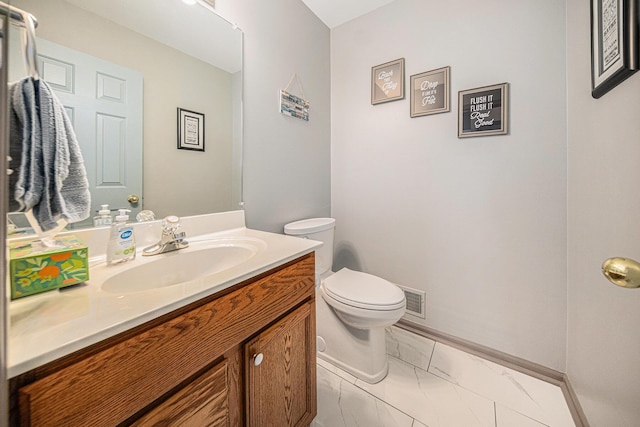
(360, 352)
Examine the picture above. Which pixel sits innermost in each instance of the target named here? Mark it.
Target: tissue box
(35, 268)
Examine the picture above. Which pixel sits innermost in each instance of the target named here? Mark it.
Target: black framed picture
(387, 82)
(614, 43)
(430, 92)
(483, 111)
(190, 130)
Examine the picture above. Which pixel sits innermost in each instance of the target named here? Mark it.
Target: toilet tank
(320, 229)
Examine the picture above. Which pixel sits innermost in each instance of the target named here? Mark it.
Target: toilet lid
(363, 290)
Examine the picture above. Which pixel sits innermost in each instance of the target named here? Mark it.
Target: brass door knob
(622, 272)
(133, 198)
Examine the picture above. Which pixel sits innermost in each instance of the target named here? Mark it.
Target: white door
(104, 102)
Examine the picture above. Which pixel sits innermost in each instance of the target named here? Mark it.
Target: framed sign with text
(614, 43)
(483, 111)
(190, 130)
(387, 82)
(430, 92)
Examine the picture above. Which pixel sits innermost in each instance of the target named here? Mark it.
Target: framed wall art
(190, 130)
(483, 111)
(614, 43)
(430, 92)
(387, 82)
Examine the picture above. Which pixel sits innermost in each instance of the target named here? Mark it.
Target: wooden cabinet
(191, 367)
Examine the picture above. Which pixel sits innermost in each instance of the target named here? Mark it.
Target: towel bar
(26, 20)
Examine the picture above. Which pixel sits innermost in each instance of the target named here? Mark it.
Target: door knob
(133, 198)
(623, 272)
(257, 359)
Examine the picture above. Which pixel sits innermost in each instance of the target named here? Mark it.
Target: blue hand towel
(51, 179)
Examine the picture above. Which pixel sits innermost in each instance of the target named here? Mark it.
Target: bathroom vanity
(240, 352)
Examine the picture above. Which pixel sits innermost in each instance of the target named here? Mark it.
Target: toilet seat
(362, 291)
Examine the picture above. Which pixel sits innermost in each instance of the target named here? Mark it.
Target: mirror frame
(4, 182)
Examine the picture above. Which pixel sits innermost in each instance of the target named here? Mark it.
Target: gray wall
(604, 201)
(286, 161)
(478, 223)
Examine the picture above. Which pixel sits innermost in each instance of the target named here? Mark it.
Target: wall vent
(416, 302)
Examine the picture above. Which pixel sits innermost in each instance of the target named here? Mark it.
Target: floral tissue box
(35, 268)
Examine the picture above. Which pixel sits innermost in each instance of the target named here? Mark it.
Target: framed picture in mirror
(190, 130)
(615, 47)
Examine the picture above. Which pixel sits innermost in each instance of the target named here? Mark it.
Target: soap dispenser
(122, 243)
(103, 218)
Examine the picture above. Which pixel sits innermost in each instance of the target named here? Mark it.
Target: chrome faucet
(171, 239)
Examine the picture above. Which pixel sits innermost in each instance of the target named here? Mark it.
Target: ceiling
(166, 24)
(177, 25)
(337, 12)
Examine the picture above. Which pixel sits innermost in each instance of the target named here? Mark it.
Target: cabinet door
(202, 402)
(281, 372)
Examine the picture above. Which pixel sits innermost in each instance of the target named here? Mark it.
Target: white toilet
(352, 308)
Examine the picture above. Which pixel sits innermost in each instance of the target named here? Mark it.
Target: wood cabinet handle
(257, 359)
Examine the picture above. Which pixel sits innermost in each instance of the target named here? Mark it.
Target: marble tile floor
(431, 384)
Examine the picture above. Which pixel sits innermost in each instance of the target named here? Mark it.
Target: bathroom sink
(199, 260)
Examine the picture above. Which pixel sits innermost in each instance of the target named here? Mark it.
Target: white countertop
(47, 326)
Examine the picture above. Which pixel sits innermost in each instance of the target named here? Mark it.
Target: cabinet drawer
(110, 386)
(203, 402)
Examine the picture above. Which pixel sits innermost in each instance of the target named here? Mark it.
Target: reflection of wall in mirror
(175, 181)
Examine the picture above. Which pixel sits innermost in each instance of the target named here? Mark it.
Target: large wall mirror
(124, 71)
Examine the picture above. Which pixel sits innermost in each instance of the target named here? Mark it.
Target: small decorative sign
(430, 92)
(387, 82)
(483, 111)
(190, 130)
(294, 106)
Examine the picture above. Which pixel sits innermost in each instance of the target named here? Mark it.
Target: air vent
(416, 302)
